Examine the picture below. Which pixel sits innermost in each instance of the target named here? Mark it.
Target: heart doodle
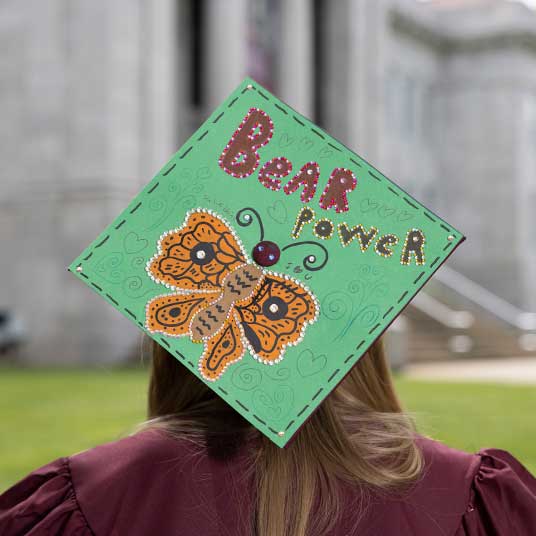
(275, 405)
(203, 173)
(306, 143)
(278, 212)
(326, 152)
(367, 205)
(309, 363)
(132, 243)
(285, 140)
(384, 211)
(404, 215)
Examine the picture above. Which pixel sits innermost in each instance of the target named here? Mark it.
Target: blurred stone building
(95, 97)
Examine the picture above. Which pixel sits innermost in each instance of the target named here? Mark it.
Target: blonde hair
(359, 436)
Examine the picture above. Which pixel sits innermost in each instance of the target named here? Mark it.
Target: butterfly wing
(224, 348)
(198, 255)
(276, 316)
(171, 314)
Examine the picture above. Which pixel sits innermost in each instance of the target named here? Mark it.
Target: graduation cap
(266, 257)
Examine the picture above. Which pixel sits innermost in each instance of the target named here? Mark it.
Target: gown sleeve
(502, 498)
(43, 503)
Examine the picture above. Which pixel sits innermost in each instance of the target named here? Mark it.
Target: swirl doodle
(108, 267)
(185, 194)
(137, 262)
(336, 304)
(357, 304)
(278, 374)
(246, 378)
(135, 287)
(156, 205)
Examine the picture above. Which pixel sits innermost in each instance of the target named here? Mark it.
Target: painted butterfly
(223, 299)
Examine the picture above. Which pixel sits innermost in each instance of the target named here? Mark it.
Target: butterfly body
(238, 285)
(223, 300)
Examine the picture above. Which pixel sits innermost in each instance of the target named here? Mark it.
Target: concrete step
(514, 370)
(430, 341)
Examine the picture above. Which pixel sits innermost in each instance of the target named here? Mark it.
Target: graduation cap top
(266, 257)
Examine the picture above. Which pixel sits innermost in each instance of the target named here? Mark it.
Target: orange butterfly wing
(276, 316)
(221, 350)
(171, 314)
(198, 255)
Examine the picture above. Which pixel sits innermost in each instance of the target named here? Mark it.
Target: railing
(485, 299)
(523, 321)
(442, 313)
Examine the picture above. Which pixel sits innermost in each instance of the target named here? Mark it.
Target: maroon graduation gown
(151, 484)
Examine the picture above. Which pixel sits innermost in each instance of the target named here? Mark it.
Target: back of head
(359, 436)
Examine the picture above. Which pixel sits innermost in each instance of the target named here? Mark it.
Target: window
(403, 104)
(196, 14)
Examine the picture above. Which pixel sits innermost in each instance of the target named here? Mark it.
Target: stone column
(366, 31)
(91, 99)
(226, 48)
(296, 55)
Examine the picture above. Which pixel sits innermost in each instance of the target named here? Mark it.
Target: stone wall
(94, 98)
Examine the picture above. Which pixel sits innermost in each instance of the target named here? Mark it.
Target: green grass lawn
(50, 413)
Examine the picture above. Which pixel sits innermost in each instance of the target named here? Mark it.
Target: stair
(429, 340)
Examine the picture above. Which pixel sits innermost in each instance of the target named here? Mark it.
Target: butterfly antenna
(309, 261)
(244, 218)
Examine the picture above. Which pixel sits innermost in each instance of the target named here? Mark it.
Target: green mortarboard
(266, 257)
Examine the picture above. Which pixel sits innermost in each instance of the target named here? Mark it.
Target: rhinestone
(201, 254)
(310, 172)
(450, 238)
(273, 308)
(78, 268)
(311, 258)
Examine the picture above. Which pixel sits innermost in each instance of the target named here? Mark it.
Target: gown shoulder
(502, 497)
(477, 494)
(147, 483)
(151, 483)
(44, 502)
